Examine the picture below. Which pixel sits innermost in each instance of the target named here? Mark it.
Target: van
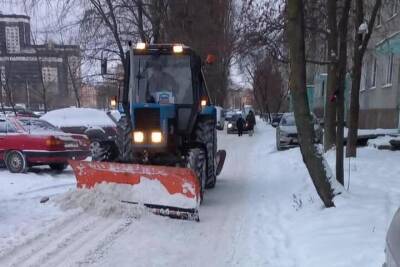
(220, 118)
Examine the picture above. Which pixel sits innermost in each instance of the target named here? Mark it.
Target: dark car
(231, 126)
(393, 242)
(26, 142)
(93, 123)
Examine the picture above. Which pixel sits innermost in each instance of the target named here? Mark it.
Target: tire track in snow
(17, 251)
(96, 254)
(75, 236)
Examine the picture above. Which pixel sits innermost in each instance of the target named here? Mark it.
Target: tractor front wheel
(197, 162)
(206, 133)
(124, 140)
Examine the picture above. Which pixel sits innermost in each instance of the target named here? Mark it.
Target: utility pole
(28, 97)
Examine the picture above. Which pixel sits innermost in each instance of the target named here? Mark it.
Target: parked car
(220, 118)
(286, 132)
(17, 111)
(276, 119)
(26, 142)
(392, 249)
(231, 125)
(93, 123)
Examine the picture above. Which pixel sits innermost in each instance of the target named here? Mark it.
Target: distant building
(34, 74)
(237, 98)
(380, 84)
(380, 79)
(88, 96)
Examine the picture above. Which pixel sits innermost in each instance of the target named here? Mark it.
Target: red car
(26, 142)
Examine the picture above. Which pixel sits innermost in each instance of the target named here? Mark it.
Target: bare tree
(265, 77)
(312, 156)
(330, 108)
(341, 78)
(361, 39)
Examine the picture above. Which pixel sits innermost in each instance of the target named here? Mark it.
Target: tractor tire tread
(206, 133)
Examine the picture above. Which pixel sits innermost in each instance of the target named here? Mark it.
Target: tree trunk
(342, 66)
(330, 112)
(312, 156)
(140, 21)
(360, 45)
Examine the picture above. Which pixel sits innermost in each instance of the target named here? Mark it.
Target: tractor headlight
(156, 137)
(177, 48)
(141, 46)
(230, 125)
(138, 137)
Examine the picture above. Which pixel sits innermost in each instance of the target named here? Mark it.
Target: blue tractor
(168, 119)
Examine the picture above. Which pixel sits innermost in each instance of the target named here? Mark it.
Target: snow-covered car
(286, 132)
(392, 249)
(26, 142)
(94, 123)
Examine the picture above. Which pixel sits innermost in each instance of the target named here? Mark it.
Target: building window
(379, 18)
(3, 76)
(364, 80)
(374, 70)
(389, 73)
(49, 74)
(394, 6)
(12, 40)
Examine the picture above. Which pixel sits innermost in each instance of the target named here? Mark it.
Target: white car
(220, 118)
(393, 242)
(286, 132)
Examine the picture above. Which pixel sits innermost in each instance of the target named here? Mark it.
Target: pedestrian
(240, 124)
(250, 122)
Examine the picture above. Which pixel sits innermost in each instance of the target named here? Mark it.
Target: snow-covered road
(263, 212)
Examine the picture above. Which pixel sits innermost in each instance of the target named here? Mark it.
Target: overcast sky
(45, 21)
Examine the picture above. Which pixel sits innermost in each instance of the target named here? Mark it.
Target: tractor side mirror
(211, 59)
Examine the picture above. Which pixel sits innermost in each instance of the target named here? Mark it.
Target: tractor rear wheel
(197, 162)
(206, 133)
(124, 140)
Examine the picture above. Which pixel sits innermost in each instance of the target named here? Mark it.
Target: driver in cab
(161, 86)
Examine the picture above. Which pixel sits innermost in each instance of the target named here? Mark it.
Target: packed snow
(104, 198)
(72, 117)
(264, 211)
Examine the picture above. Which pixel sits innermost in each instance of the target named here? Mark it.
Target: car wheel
(58, 166)
(16, 162)
(278, 142)
(95, 147)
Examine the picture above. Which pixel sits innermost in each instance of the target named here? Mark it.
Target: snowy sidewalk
(263, 212)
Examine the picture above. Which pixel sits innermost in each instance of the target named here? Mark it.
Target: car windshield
(235, 117)
(162, 79)
(33, 125)
(288, 120)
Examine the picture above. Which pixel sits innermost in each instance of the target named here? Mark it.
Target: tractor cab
(167, 94)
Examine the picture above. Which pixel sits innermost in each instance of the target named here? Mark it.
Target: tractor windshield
(162, 79)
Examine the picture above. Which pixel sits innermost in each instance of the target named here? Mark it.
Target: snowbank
(105, 198)
(72, 117)
(98, 201)
(382, 141)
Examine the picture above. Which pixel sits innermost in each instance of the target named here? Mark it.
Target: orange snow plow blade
(176, 190)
